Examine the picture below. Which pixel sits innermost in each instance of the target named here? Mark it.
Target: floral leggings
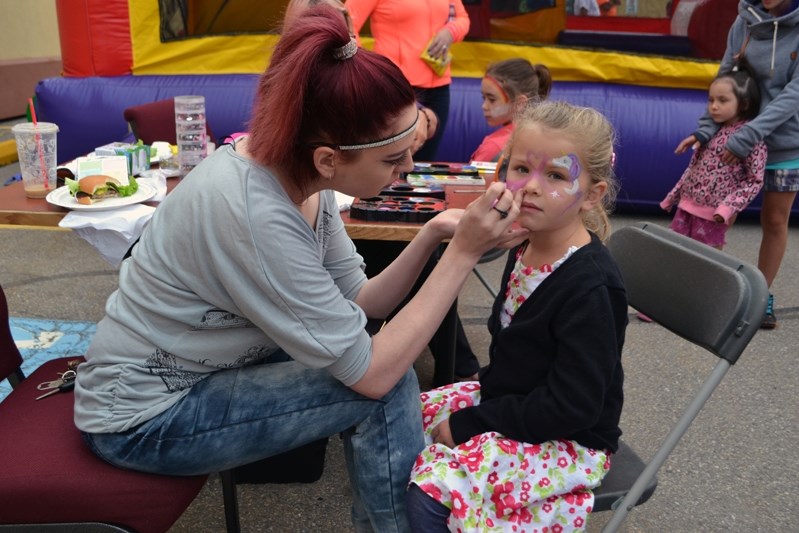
(492, 483)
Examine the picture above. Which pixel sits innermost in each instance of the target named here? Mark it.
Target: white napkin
(156, 178)
(344, 201)
(110, 232)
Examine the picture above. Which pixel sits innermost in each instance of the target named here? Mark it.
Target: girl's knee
(774, 223)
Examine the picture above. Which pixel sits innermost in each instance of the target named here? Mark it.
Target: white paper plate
(62, 198)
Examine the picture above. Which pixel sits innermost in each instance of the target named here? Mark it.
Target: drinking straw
(39, 143)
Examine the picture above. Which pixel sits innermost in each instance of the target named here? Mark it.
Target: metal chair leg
(485, 283)
(230, 497)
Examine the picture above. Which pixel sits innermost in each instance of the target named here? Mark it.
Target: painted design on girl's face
(538, 168)
(571, 163)
(557, 178)
(497, 107)
(498, 111)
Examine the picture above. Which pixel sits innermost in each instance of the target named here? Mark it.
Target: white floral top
(523, 281)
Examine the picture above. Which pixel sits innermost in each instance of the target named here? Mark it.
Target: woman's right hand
(689, 142)
(482, 226)
(440, 43)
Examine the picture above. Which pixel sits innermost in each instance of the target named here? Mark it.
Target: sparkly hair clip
(346, 51)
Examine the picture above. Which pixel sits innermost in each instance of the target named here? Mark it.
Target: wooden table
(18, 210)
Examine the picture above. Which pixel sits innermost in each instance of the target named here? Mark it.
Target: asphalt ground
(733, 471)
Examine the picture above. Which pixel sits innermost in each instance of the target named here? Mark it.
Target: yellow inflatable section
(237, 54)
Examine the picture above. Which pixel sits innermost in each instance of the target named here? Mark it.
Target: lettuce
(125, 190)
(73, 186)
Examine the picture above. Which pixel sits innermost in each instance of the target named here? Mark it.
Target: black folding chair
(699, 293)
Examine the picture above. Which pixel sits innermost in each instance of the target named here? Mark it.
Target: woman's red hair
(307, 96)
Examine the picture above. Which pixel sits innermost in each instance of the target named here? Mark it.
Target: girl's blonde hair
(593, 135)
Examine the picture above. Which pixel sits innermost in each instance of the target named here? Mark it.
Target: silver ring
(502, 214)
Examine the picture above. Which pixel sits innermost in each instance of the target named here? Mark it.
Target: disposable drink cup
(36, 148)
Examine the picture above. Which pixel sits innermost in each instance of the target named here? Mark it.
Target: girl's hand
(441, 434)
(689, 142)
(729, 157)
(440, 44)
(425, 128)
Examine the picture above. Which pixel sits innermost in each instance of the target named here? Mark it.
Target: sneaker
(644, 318)
(769, 320)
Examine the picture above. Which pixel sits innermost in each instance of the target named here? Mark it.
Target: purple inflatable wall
(649, 121)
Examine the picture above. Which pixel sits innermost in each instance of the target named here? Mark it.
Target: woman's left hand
(441, 434)
(440, 44)
(445, 222)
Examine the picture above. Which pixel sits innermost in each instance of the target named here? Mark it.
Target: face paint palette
(401, 188)
(387, 208)
(433, 180)
(457, 169)
(440, 174)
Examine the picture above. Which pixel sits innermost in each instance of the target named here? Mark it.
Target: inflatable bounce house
(647, 74)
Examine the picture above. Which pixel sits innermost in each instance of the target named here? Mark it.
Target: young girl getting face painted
(557, 335)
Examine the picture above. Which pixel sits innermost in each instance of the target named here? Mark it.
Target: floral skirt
(492, 483)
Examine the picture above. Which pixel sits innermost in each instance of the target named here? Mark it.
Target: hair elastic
(346, 51)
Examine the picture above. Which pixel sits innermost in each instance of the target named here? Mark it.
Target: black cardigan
(555, 372)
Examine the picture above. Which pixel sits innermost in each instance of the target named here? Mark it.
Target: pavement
(731, 472)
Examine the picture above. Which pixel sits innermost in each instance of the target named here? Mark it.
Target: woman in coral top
(403, 29)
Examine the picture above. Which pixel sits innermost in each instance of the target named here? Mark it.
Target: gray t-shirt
(226, 273)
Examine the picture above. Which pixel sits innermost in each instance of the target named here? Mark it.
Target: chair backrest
(700, 294)
(155, 121)
(703, 295)
(10, 358)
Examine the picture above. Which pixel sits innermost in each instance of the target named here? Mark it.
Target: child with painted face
(527, 442)
(712, 191)
(507, 87)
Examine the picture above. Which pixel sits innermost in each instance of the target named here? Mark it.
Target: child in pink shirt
(507, 86)
(711, 193)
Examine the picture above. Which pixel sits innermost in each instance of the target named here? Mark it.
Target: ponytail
(314, 92)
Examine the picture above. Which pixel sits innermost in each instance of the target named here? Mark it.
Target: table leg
(444, 371)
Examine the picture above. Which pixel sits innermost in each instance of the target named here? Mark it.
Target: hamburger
(90, 189)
